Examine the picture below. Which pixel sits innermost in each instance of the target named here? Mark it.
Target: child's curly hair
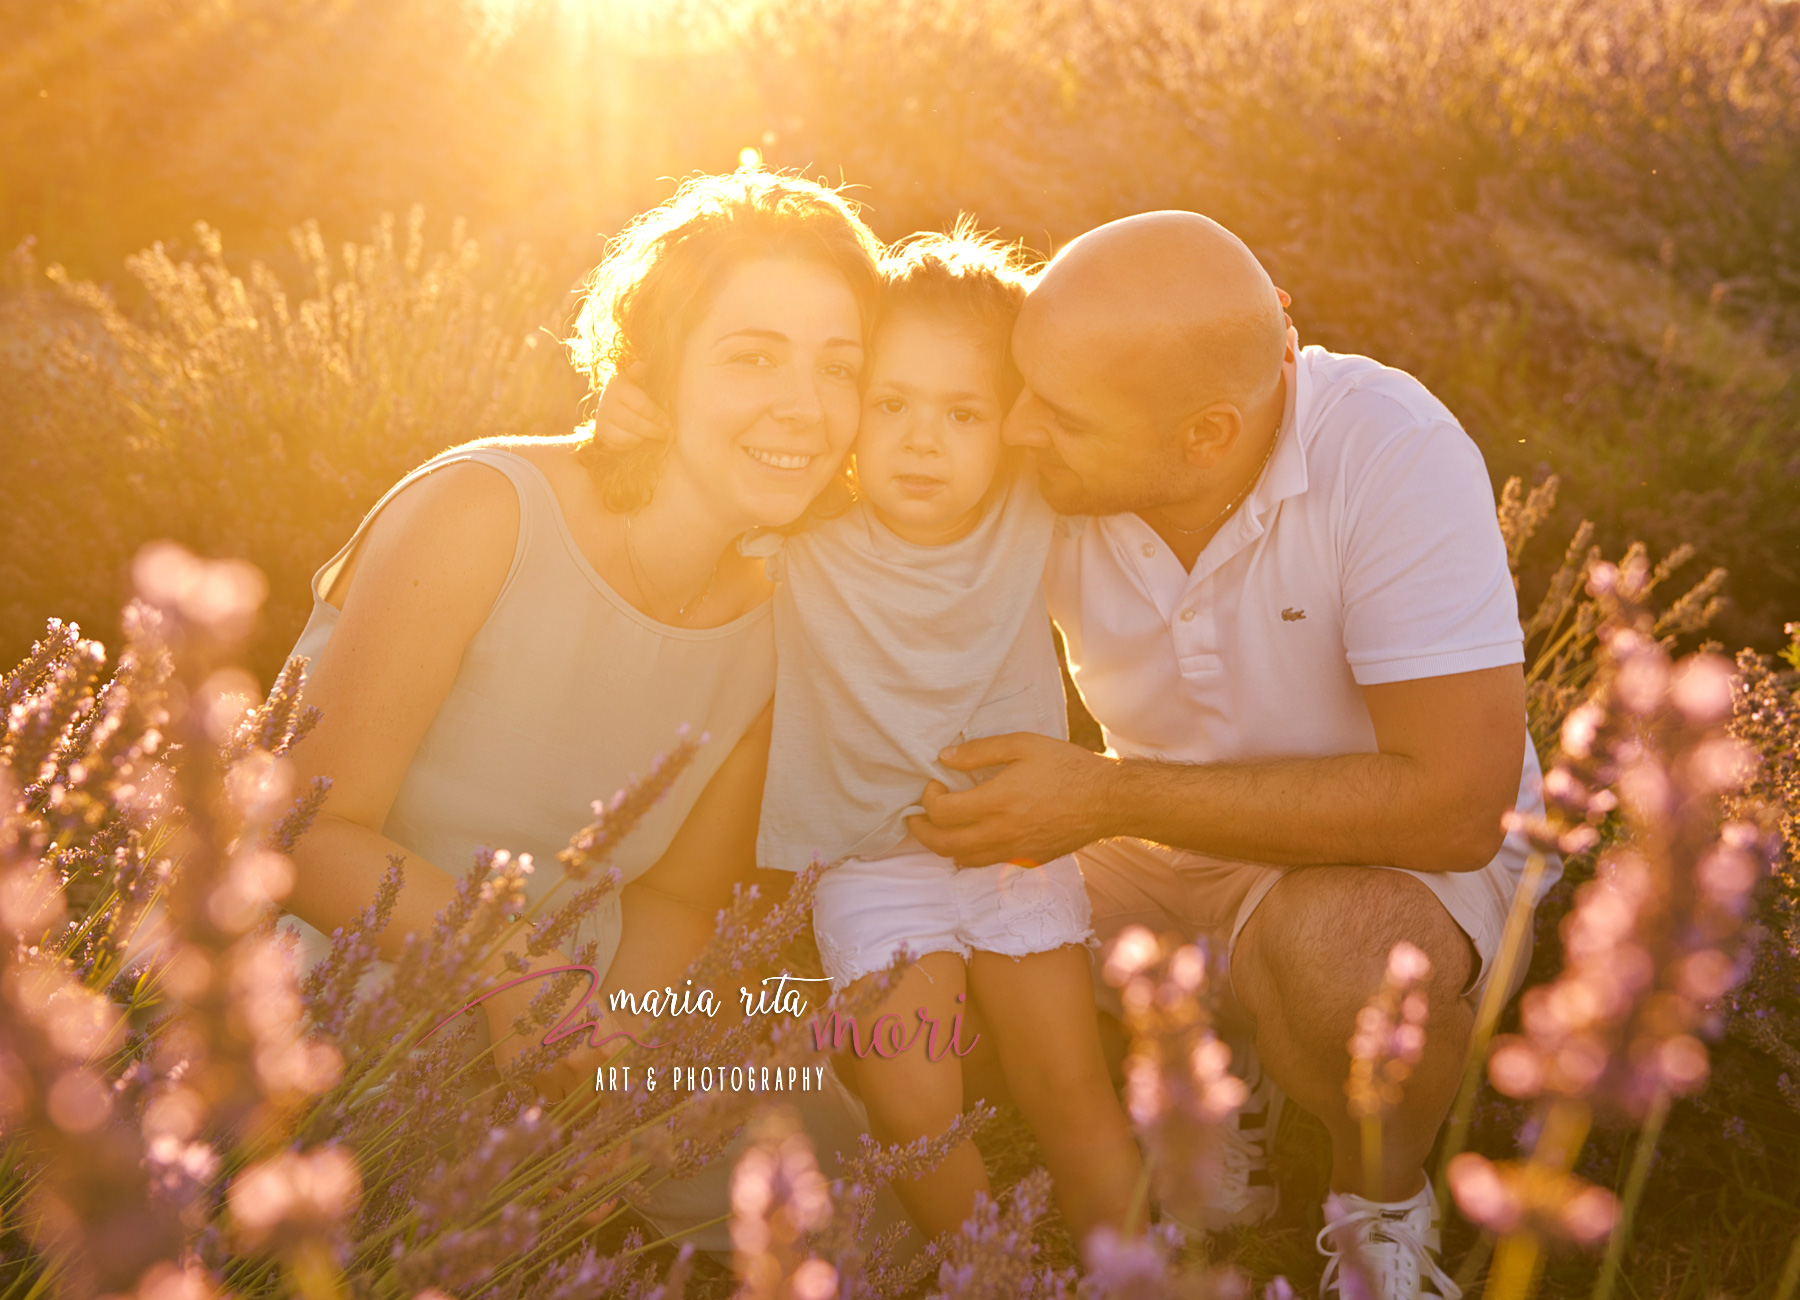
(658, 276)
(969, 279)
(966, 276)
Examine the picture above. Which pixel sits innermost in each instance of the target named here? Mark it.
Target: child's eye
(963, 415)
(890, 406)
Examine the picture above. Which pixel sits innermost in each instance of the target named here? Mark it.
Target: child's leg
(910, 1096)
(1040, 1010)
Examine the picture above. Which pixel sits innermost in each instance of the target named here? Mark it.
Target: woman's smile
(783, 461)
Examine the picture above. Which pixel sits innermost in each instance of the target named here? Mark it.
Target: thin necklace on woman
(1235, 501)
(637, 576)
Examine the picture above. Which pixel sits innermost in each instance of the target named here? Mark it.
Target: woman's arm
(421, 584)
(670, 910)
(418, 589)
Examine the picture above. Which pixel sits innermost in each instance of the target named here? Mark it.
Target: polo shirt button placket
(1149, 550)
(1194, 630)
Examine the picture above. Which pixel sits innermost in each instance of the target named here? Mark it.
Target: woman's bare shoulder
(466, 496)
(453, 531)
(559, 461)
(740, 581)
(556, 457)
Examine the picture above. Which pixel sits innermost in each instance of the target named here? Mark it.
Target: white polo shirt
(1368, 552)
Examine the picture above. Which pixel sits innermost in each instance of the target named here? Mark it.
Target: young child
(913, 622)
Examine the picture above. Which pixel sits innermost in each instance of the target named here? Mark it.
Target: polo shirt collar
(1286, 476)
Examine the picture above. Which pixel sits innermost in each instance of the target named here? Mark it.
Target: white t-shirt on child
(886, 652)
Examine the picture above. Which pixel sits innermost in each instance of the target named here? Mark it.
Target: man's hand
(626, 415)
(1051, 799)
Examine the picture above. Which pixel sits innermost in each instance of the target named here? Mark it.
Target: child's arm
(626, 415)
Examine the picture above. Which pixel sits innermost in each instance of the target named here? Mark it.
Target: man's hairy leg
(1308, 959)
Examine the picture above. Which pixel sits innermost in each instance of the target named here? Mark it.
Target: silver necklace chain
(637, 575)
(1235, 501)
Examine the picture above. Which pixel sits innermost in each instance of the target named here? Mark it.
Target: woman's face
(766, 401)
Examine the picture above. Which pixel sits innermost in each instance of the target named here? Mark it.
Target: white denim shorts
(867, 909)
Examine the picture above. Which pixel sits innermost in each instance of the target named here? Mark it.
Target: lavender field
(265, 256)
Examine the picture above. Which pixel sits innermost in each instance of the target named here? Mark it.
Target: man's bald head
(1172, 306)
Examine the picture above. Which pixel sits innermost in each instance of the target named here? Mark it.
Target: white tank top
(565, 694)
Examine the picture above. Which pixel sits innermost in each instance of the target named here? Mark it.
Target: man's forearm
(1430, 797)
(1352, 809)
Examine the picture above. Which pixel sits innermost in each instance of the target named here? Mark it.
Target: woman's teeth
(776, 460)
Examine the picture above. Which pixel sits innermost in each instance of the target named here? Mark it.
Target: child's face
(929, 442)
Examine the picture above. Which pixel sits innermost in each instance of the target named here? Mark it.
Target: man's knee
(1331, 929)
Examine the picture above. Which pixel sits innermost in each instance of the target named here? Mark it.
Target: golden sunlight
(1256, 537)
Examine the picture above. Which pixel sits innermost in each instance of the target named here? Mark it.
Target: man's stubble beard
(1068, 494)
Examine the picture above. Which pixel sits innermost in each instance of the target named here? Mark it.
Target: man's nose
(1024, 425)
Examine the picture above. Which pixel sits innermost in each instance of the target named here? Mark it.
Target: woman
(520, 627)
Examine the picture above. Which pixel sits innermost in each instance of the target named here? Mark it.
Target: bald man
(1285, 598)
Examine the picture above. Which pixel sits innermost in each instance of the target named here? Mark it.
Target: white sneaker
(1245, 1192)
(1396, 1245)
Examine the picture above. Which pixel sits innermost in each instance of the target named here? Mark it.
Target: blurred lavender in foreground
(1653, 943)
(778, 1196)
(1178, 1085)
(1179, 1092)
(183, 1115)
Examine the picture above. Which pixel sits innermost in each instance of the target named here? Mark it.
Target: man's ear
(1209, 434)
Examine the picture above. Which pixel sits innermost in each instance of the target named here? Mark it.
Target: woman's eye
(841, 370)
(754, 359)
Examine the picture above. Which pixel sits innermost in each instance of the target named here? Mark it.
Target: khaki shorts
(1137, 882)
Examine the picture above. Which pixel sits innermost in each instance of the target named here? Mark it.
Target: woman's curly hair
(658, 276)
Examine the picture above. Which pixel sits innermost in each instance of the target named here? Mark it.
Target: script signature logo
(563, 1028)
